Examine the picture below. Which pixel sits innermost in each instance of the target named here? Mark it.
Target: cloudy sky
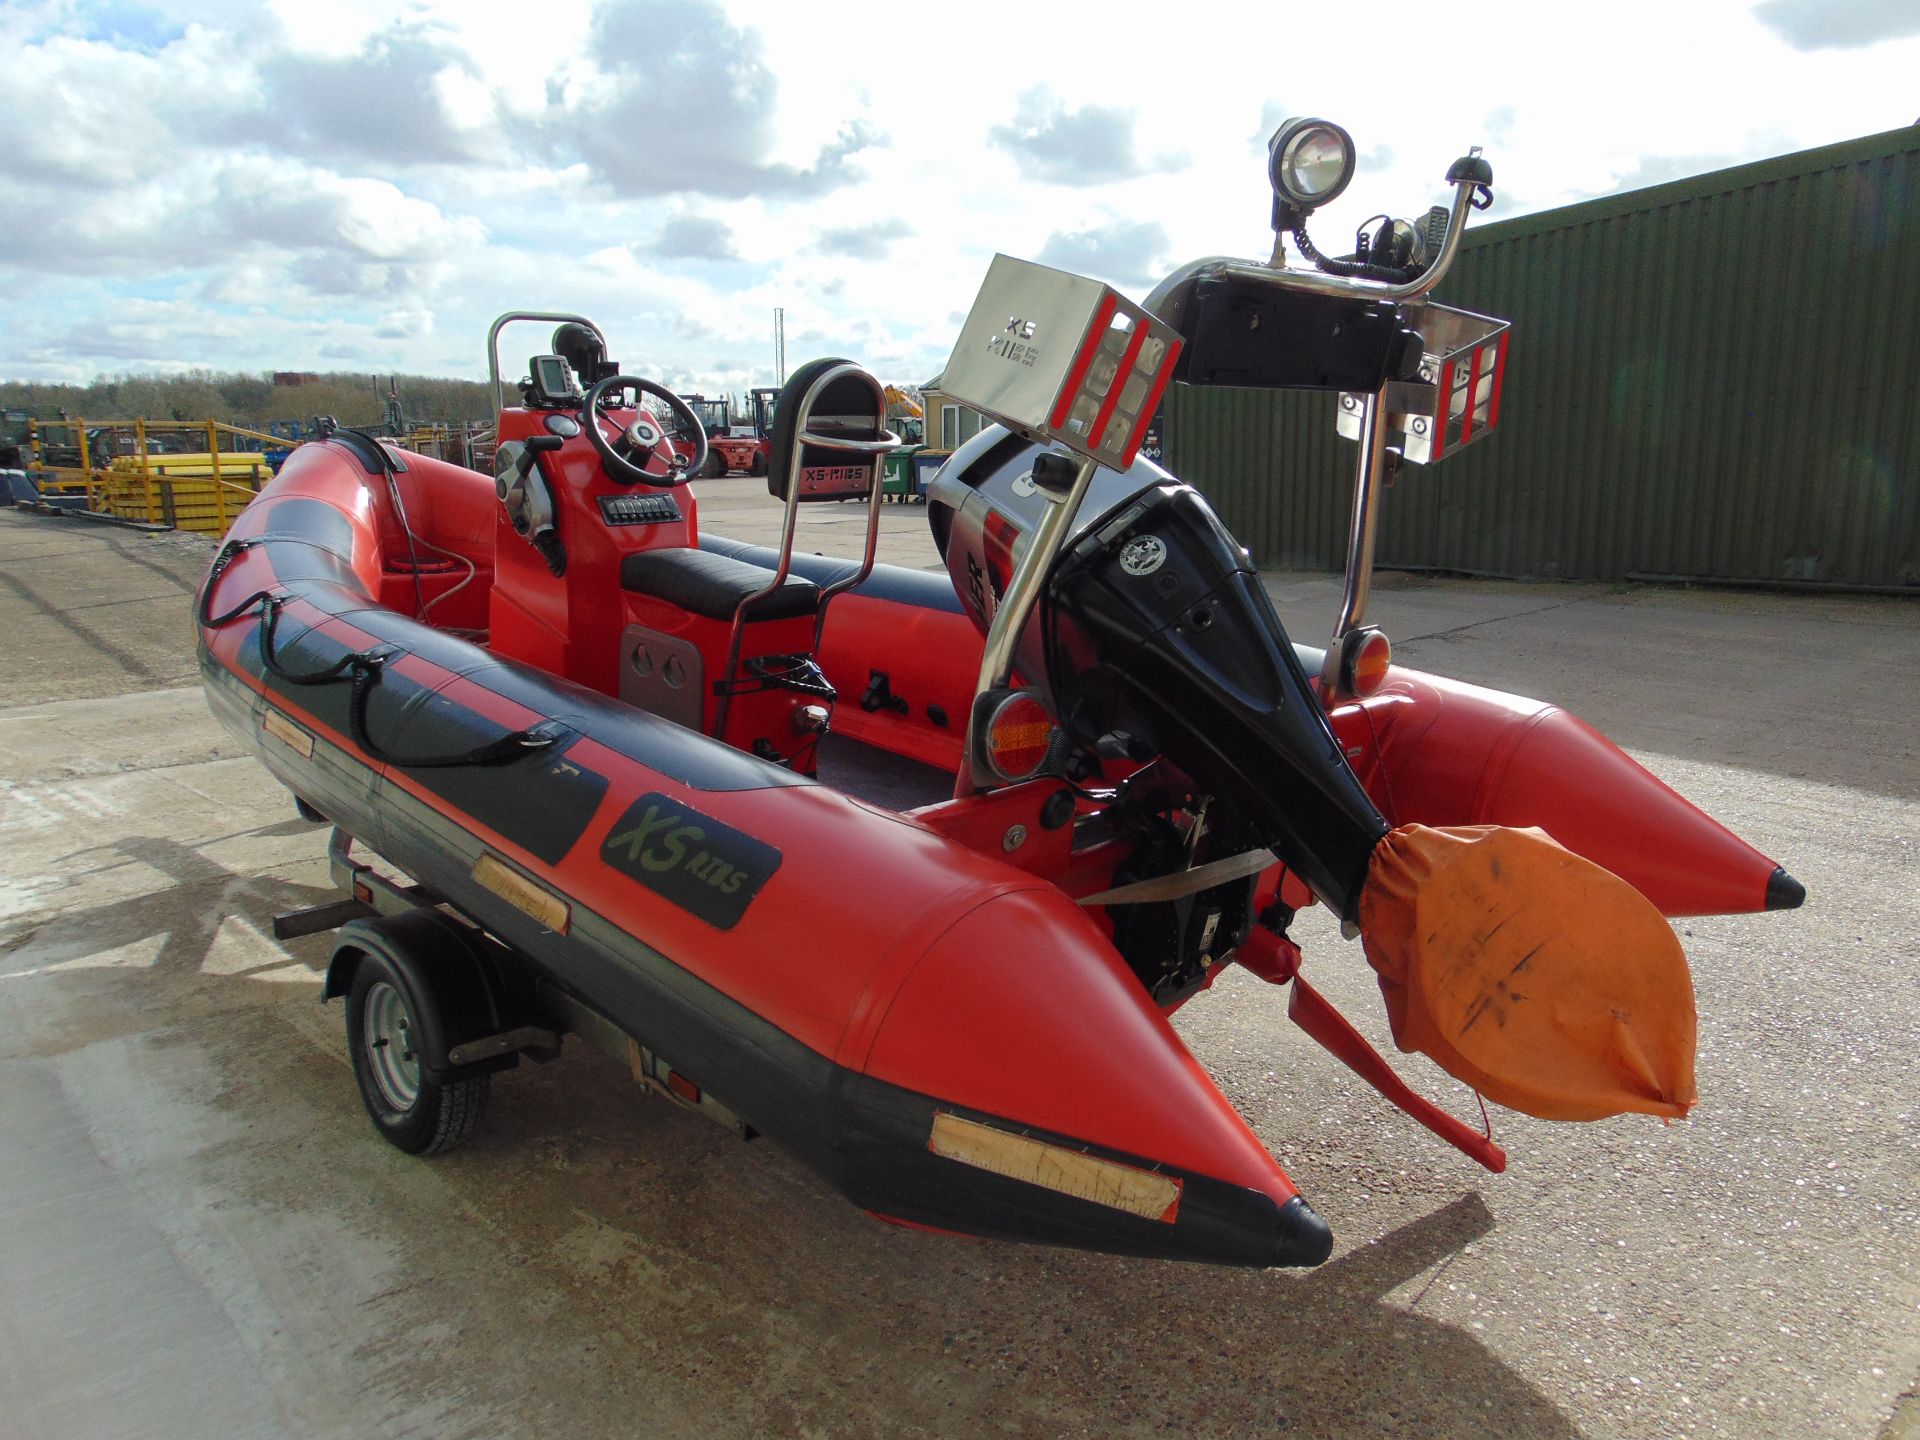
(358, 186)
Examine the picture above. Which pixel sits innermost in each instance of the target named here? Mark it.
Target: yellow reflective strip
(510, 885)
(287, 733)
(1052, 1167)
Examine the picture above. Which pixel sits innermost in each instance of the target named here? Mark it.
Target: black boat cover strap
(714, 585)
(363, 669)
(374, 458)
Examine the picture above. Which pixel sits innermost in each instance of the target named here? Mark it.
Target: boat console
(598, 573)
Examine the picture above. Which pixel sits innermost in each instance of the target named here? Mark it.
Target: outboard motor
(1153, 636)
(1113, 597)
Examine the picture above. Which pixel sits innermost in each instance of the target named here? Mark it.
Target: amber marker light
(1365, 656)
(1019, 732)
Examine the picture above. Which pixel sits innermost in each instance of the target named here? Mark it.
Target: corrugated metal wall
(1717, 378)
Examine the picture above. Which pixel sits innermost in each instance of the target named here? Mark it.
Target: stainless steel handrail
(1284, 277)
(493, 345)
(885, 446)
(1362, 527)
(1010, 616)
(879, 448)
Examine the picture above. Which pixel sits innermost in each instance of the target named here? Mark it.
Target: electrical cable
(422, 606)
(1353, 269)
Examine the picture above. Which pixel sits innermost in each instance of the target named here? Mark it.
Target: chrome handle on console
(493, 342)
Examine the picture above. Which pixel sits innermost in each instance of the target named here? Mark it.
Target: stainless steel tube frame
(493, 339)
(879, 447)
(1360, 535)
(1371, 462)
(1317, 282)
(1010, 618)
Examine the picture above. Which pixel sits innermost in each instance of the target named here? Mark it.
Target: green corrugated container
(1713, 379)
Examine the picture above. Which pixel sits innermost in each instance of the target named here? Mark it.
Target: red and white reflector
(1456, 400)
(1016, 736)
(1063, 360)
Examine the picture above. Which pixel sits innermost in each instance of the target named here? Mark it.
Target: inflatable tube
(1430, 750)
(969, 1054)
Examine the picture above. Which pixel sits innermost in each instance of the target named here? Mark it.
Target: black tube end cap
(1783, 891)
(1474, 167)
(1301, 1237)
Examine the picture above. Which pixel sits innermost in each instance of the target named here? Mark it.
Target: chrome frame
(1371, 463)
(1277, 274)
(879, 449)
(493, 343)
(1368, 470)
(1010, 617)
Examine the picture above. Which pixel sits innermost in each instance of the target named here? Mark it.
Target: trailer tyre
(408, 1106)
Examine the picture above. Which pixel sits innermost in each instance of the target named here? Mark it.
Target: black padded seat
(714, 585)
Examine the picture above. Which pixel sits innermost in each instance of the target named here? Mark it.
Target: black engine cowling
(1153, 632)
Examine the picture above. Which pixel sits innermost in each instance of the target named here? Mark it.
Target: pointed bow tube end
(1302, 1238)
(1784, 892)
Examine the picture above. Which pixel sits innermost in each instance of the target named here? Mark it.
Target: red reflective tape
(1499, 380)
(1154, 392)
(1444, 409)
(1473, 389)
(1000, 537)
(1120, 375)
(1082, 363)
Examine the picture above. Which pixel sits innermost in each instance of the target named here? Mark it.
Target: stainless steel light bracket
(1061, 360)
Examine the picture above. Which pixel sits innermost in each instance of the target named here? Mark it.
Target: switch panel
(638, 509)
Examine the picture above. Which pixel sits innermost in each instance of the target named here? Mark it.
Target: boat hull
(967, 1054)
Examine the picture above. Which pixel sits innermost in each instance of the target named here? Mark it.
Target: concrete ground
(200, 1234)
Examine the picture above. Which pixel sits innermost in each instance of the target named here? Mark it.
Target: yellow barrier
(199, 490)
(200, 465)
(193, 500)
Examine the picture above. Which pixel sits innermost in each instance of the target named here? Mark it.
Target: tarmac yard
(201, 1234)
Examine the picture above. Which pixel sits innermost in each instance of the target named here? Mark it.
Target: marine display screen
(553, 382)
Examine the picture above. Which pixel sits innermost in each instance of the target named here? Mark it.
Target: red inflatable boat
(905, 871)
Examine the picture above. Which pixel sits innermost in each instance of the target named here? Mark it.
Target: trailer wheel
(412, 1110)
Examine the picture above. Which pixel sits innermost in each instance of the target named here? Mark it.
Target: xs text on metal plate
(1010, 344)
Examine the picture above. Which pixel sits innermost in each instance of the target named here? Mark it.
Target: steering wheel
(624, 454)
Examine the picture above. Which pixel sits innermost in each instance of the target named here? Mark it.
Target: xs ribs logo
(1011, 342)
(707, 868)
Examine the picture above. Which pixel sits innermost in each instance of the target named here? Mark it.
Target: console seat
(714, 585)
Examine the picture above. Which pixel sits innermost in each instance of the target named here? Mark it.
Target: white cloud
(1838, 24)
(679, 99)
(1122, 252)
(239, 184)
(1090, 145)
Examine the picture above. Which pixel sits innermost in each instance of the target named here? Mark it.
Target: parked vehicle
(726, 451)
